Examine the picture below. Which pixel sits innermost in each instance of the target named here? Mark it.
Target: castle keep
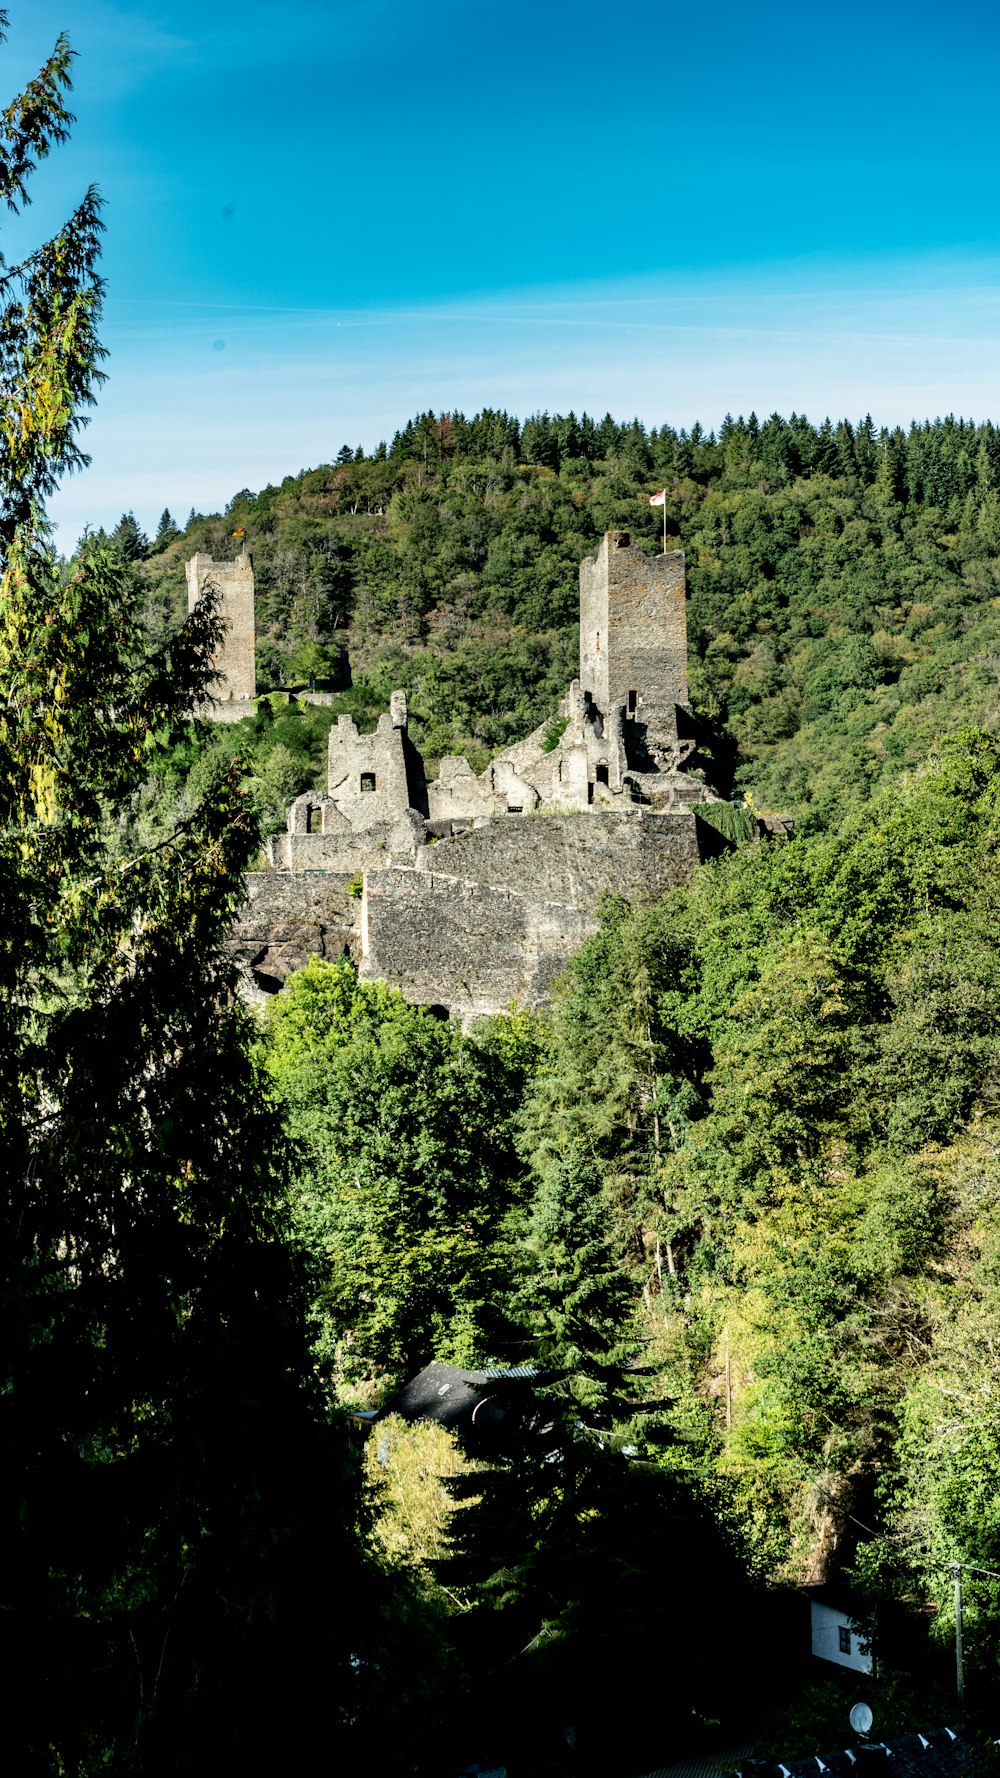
(467, 890)
(235, 685)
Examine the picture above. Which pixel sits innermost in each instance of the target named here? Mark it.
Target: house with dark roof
(941, 1753)
(481, 1407)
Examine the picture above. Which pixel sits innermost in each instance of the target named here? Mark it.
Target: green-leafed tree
(171, 1504)
(408, 1180)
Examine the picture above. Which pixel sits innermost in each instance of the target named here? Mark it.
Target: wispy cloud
(206, 398)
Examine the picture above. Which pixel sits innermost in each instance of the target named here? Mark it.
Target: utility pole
(956, 1569)
(729, 1386)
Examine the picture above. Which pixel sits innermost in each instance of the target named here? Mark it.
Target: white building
(839, 1634)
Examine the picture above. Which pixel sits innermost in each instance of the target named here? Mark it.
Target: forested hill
(843, 582)
(734, 1203)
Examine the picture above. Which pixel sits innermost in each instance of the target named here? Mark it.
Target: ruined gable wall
(378, 759)
(378, 776)
(235, 659)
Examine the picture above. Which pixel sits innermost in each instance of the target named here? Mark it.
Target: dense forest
(735, 1196)
(841, 586)
(755, 1144)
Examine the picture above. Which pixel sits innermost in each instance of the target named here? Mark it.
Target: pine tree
(129, 540)
(168, 1496)
(166, 531)
(576, 1297)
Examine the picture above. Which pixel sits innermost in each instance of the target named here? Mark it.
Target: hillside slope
(843, 584)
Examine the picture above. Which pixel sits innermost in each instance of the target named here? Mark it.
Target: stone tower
(633, 638)
(235, 662)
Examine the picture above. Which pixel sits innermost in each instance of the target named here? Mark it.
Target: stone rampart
(572, 860)
(494, 914)
(289, 919)
(346, 849)
(464, 945)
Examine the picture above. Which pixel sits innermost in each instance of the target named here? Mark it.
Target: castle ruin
(470, 890)
(235, 685)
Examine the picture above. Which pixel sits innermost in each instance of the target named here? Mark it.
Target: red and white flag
(659, 499)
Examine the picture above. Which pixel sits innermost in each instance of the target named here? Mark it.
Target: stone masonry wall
(287, 920)
(494, 914)
(572, 860)
(385, 842)
(464, 945)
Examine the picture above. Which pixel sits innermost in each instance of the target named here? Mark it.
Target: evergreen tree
(170, 1504)
(575, 1299)
(130, 542)
(166, 531)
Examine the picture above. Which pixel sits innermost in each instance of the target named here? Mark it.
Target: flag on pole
(659, 499)
(240, 533)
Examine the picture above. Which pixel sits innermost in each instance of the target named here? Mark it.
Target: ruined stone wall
(345, 850)
(456, 794)
(235, 659)
(487, 916)
(494, 914)
(231, 710)
(287, 920)
(464, 945)
(572, 860)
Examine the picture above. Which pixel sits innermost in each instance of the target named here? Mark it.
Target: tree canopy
(171, 1494)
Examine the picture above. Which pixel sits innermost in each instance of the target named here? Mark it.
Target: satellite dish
(861, 1719)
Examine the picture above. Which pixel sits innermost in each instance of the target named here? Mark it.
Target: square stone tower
(633, 636)
(235, 659)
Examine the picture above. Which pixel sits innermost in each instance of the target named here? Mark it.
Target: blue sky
(324, 217)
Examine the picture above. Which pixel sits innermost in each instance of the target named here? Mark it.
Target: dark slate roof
(943, 1753)
(454, 1398)
(839, 1597)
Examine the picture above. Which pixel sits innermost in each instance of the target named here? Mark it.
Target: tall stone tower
(633, 637)
(235, 662)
